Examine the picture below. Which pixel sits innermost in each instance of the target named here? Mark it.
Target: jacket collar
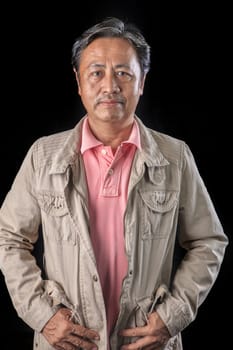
(68, 154)
(151, 155)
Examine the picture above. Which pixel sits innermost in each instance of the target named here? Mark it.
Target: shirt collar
(90, 141)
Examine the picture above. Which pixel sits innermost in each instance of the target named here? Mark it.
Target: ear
(77, 80)
(142, 83)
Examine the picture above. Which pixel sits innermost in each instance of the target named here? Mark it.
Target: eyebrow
(99, 65)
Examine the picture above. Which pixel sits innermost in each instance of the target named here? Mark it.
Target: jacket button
(95, 278)
(130, 272)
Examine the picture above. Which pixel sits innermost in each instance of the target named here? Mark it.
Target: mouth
(110, 102)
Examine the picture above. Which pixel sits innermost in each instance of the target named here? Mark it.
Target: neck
(111, 134)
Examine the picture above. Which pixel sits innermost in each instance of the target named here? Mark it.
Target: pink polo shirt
(107, 179)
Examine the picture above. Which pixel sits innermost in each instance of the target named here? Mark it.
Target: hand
(152, 336)
(63, 334)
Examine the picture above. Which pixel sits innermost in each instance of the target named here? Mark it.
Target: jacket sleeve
(201, 235)
(19, 223)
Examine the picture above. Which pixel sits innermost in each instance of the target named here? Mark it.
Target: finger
(81, 343)
(64, 346)
(57, 347)
(84, 332)
(134, 332)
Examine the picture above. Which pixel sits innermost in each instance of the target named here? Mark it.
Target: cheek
(87, 88)
(137, 89)
(86, 92)
(88, 96)
(136, 93)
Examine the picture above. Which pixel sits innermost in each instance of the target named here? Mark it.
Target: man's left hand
(154, 335)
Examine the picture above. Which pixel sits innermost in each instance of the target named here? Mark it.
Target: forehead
(109, 48)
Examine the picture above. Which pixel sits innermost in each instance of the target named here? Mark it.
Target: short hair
(112, 27)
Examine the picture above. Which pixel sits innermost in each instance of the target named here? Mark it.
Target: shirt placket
(110, 168)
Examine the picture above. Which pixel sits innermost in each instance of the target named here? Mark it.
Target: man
(113, 197)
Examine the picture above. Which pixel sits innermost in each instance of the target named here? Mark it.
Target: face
(110, 81)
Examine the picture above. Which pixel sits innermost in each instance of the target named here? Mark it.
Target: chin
(111, 118)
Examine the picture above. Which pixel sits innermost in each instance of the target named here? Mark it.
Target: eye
(97, 74)
(124, 76)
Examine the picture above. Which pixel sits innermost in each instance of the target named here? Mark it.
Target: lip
(110, 102)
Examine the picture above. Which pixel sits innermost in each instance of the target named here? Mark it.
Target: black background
(185, 96)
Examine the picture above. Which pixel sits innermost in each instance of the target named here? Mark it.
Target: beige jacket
(167, 204)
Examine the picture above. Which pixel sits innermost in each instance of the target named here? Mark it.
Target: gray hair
(112, 27)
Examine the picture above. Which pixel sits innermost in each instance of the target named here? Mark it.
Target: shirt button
(110, 171)
(95, 278)
(103, 151)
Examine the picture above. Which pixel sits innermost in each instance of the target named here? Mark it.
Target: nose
(110, 84)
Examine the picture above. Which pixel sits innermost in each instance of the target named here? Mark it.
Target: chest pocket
(158, 213)
(56, 222)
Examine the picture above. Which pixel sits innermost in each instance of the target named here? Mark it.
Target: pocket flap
(53, 203)
(160, 200)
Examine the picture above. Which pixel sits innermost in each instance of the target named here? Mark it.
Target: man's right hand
(63, 334)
